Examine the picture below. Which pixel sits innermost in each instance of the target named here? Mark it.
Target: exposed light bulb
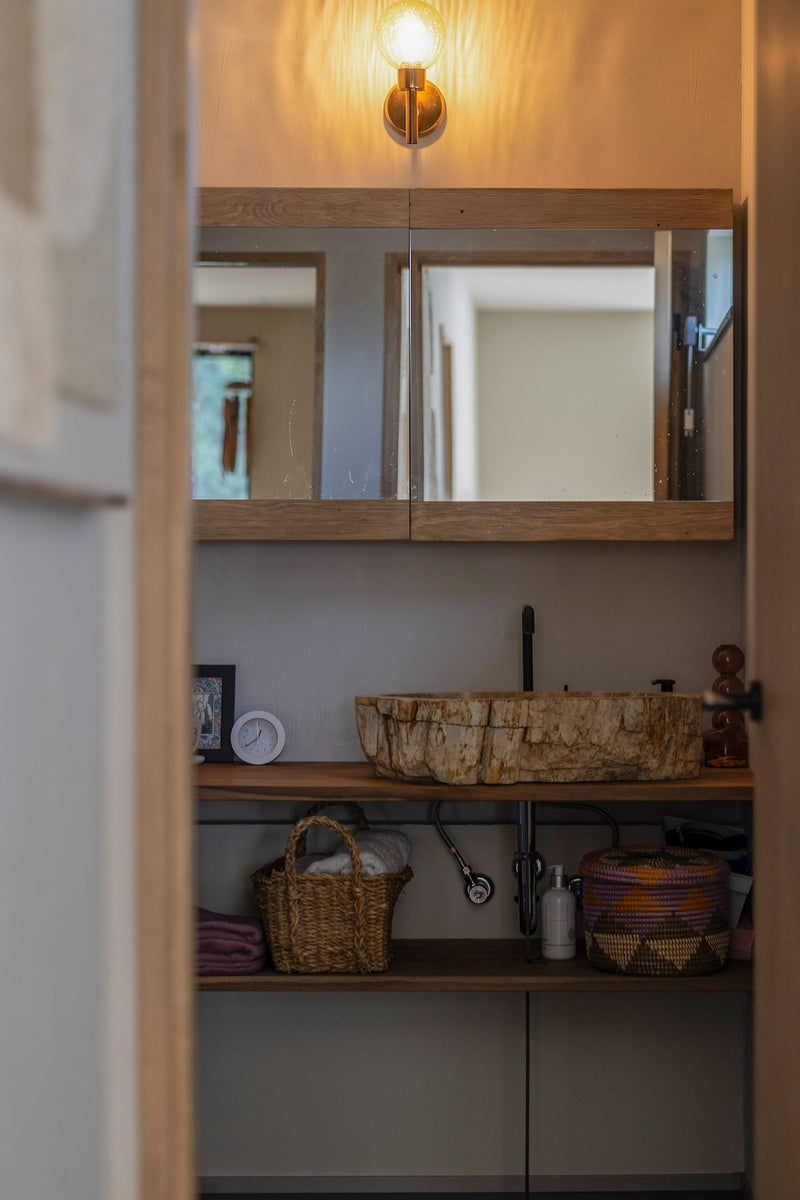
(410, 34)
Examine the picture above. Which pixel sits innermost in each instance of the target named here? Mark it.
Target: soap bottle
(558, 918)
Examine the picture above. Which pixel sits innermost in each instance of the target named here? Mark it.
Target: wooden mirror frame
(471, 521)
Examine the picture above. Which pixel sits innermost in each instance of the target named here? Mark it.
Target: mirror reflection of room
(309, 307)
(493, 365)
(548, 391)
(254, 404)
(598, 371)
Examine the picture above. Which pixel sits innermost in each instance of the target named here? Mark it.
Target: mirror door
(301, 400)
(257, 376)
(570, 381)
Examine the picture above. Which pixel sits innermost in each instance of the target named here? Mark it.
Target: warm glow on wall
(411, 36)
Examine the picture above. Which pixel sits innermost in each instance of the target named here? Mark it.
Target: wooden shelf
(465, 965)
(576, 521)
(355, 781)
(301, 520)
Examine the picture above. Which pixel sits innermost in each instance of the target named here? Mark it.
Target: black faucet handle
(750, 701)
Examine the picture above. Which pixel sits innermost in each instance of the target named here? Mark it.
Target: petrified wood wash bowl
(524, 737)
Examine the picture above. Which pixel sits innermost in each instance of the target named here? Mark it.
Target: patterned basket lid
(668, 866)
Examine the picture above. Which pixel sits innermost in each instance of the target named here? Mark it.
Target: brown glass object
(231, 414)
(725, 745)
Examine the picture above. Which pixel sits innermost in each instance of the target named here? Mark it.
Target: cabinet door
(774, 645)
(300, 408)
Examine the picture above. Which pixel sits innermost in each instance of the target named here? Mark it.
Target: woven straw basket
(650, 911)
(324, 923)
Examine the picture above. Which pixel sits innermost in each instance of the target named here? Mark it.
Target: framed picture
(213, 690)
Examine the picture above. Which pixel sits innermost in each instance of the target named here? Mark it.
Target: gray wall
(311, 626)
(342, 1086)
(67, 935)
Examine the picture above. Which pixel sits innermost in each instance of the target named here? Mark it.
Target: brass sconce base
(430, 110)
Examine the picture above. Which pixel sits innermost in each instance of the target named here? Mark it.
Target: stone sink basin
(525, 737)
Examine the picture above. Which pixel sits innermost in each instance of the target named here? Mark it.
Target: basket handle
(297, 836)
(355, 809)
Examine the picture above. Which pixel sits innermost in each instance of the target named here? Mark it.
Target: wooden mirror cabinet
(477, 365)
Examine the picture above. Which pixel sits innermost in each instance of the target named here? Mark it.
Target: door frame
(165, 227)
(771, 179)
(165, 881)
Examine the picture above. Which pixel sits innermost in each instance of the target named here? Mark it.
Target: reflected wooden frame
(393, 475)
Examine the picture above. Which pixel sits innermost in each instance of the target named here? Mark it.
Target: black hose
(450, 845)
(601, 812)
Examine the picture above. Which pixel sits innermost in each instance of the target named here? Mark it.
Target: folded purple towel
(229, 964)
(215, 944)
(240, 929)
(228, 945)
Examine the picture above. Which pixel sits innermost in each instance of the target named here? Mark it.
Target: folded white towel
(304, 861)
(383, 852)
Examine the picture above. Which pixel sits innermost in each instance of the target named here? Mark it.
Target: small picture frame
(213, 694)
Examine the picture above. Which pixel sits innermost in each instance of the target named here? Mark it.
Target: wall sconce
(411, 36)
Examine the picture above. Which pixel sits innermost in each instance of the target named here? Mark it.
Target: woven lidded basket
(649, 911)
(322, 923)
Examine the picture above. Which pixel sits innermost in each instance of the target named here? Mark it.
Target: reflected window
(222, 390)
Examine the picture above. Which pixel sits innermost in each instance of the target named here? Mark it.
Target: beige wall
(593, 93)
(618, 93)
(565, 406)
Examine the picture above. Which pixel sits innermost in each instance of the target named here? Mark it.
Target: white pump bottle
(558, 918)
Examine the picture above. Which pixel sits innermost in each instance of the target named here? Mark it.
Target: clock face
(258, 737)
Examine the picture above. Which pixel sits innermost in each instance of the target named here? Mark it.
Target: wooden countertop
(356, 781)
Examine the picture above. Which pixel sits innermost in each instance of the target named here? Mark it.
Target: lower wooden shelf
(465, 965)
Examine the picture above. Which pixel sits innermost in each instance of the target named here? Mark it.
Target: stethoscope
(477, 888)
